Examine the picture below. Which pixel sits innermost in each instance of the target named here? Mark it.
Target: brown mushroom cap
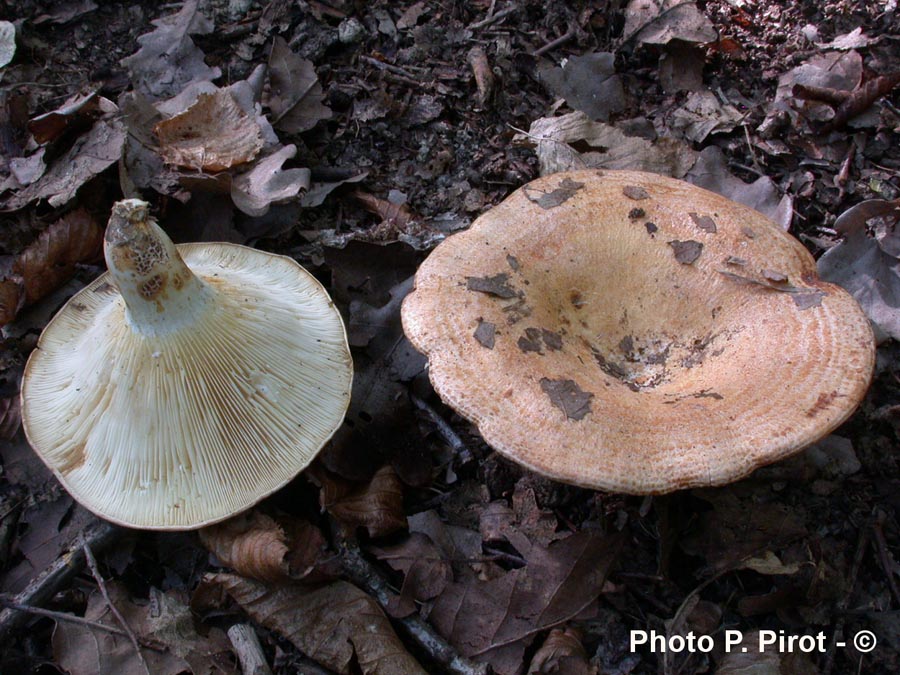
(626, 331)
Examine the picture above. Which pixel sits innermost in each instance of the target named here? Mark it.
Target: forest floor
(386, 127)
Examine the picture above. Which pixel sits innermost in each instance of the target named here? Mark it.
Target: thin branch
(362, 573)
(23, 609)
(99, 535)
(101, 584)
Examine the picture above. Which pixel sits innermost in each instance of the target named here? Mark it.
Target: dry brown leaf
(377, 506)
(495, 620)
(214, 134)
(257, 546)
(166, 620)
(608, 147)
(80, 111)
(562, 654)
(741, 527)
(168, 60)
(658, 22)
(266, 183)
(588, 83)
(49, 262)
(89, 156)
(869, 267)
(337, 625)
(295, 92)
(426, 571)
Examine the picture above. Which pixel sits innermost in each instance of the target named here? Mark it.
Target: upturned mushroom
(630, 332)
(186, 383)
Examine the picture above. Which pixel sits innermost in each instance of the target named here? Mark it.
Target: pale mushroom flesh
(218, 381)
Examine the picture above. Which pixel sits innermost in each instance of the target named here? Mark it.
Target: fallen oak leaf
(49, 262)
(337, 625)
(213, 134)
(495, 620)
(168, 60)
(296, 94)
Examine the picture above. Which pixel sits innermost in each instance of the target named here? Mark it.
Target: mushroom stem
(161, 294)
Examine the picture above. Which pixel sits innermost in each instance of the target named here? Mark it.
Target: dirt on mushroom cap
(629, 351)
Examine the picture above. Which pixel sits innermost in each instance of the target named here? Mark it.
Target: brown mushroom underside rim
(630, 332)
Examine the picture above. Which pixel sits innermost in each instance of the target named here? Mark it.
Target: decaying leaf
(377, 505)
(658, 22)
(568, 397)
(562, 653)
(741, 528)
(337, 625)
(79, 111)
(610, 147)
(588, 83)
(168, 60)
(703, 114)
(748, 658)
(214, 134)
(254, 191)
(495, 620)
(868, 266)
(426, 572)
(89, 156)
(256, 546)
(49, 262)
(711, 172)
(295, 96)
(166, 621)
(686, 252)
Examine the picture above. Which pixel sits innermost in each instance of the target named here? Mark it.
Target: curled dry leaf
(78, 112)
(562, 653)
(49, 261)
(254, 191)
(337, 625)
(214, 134)
(256, 546)
(377, 506)
(869, 267)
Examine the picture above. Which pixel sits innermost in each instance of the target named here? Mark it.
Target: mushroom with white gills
(630, 332)
(186, 383)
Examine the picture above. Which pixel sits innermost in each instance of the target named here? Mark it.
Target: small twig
(101, 584)
(445, 431)
(362, 573)
(888, 564)
(22, 609)
(553, 44)
(100, 535)
(493, 18)
(249, 652)
(844, 602)
(389, 67)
